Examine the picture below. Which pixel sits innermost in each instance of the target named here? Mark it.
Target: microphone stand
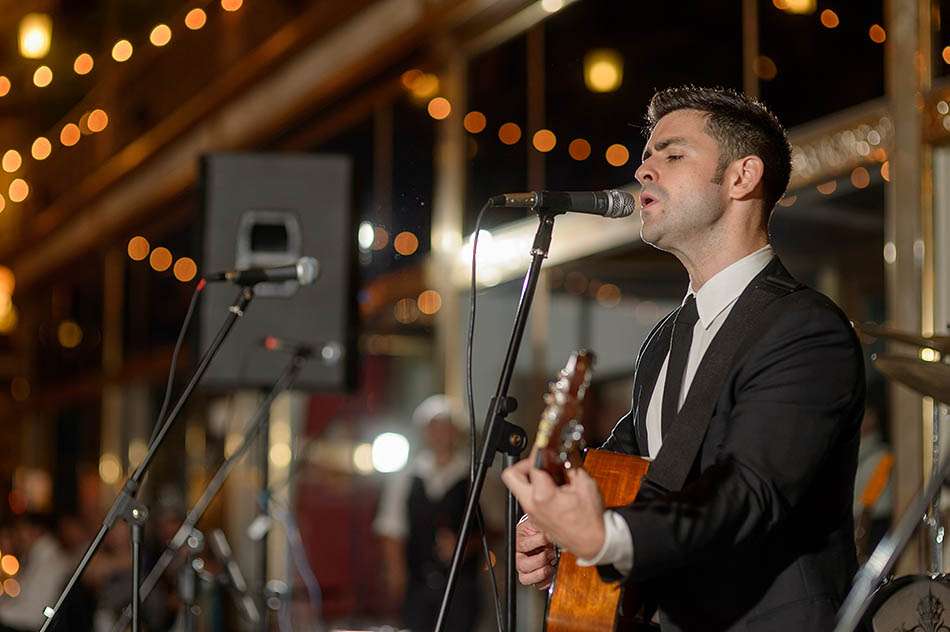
(126, 506)
(258, 421)
(501, 435)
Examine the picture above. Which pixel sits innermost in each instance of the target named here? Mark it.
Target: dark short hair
(741, 125)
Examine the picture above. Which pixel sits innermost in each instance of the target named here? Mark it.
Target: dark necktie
(679, 353)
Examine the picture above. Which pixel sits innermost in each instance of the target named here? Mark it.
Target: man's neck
(705, 262)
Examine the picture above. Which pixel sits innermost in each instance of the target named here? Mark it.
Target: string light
(509, 133)
(42, 76)
(19, 190)
(617, 155)
(829, 19)
(579, 149)
(231, 5)
(195, 19)
(122, 50)
(41, 148)
(439, 108)
(474, 122)
(138, 248)
(69, 135)
(160, 259)
(544, 140)
(160, 35)
(11, 160)
(4, 86)
(35, 35)
(97, 121)
(877, 34)
(185, 269)
(83, 64)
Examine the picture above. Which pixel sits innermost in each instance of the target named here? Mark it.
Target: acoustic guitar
(578, 599)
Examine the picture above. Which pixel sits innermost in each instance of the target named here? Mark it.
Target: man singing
(748, 398)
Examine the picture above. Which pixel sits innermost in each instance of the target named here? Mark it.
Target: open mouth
(646, 200)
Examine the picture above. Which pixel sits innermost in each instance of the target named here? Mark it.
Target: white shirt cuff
(618, 545)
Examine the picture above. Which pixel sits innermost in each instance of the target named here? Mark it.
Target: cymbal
(927, 378)
(941, 344)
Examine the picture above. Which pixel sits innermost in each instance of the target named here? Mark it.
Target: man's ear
(744, 177)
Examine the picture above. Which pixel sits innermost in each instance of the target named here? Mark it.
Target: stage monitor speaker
(263, 210)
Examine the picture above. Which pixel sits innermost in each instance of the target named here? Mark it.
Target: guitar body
(580, 601)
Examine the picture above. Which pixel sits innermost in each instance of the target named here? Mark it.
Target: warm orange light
(765, 68)
(860, 178)
(886, 170)
(11, 160)
(829, 19)
(83, 64)
(380, 238)
(41, 148)
(69, 334)
(410, 77)
(406, 311)
(429, 302)
(3, 203)
(877, 34)
(160, 35)
(4, 86)
(42, 77)
(425, 87)
(579, 149)
(946, 54)
(544, 140)
(122, 50)
(185, 269)
(138, 248)
(97, 121)
(617, 155)
(7, 281)
(19, 190)
(439, 108)
(474, 122)
(231, 5)
(69, 135)
(11, 587)
(827, 188)
(160, 259)
(608, 295)
(406, 243)
(509, 133)
(195, 19)
(9, 564)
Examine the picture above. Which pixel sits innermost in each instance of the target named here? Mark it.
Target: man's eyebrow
(663, 144)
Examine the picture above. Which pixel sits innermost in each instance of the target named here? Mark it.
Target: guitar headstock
(559, 444)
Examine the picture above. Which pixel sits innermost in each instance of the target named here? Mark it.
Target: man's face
(679, 200)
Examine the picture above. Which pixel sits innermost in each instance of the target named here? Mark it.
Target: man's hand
(534, 555)
(571, 515)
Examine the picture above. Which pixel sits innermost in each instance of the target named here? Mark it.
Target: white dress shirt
(714, 301)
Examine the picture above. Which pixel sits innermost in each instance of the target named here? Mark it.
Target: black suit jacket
(760, 534)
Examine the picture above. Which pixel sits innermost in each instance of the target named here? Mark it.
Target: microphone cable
(470, 395)
(174, 365)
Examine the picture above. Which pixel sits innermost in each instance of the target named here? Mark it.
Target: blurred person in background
(44, 568)
(420, 513)
(873, 495)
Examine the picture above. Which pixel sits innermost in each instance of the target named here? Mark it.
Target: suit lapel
(682, 442)
(647, 373)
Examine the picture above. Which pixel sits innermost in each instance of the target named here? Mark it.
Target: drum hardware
(913, 602)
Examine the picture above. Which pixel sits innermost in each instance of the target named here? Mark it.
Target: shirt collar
(726, 285)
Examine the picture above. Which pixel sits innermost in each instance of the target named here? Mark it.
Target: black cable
(470, 394)
(171, 371)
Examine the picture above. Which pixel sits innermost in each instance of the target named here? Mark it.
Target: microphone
(329, 352)
(611, 203)
(221, 550)
(304, 272)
